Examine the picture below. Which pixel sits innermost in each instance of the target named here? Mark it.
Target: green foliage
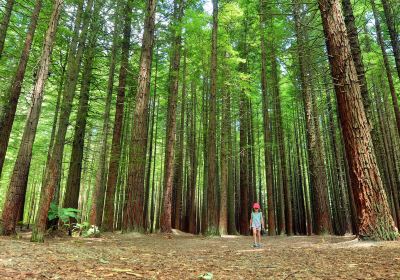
(64, 214)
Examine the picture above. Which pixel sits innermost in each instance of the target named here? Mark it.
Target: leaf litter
(134, 256)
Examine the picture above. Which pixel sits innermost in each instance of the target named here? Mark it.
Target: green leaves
(64, 214)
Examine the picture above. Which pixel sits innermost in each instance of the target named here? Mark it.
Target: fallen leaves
(182, 257)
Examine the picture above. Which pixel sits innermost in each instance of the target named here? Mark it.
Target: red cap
(256, 205)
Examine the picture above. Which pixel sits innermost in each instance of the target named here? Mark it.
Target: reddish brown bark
(212, 202)
(133, 208)
(375, 220)
(8, 112)
(115, 155)
(96, 210)
(17, 187)
(166, 218)
(192, 161)
(53, 170)
(73, 185)
(355, 48)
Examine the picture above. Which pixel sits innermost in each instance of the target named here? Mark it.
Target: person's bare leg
(255, 235)
(259, 237)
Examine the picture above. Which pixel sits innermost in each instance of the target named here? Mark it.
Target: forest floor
(135, 256)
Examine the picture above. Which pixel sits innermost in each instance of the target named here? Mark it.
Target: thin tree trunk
(282, 152)
(133, 208)
(394, 35)
(108, 220)
(53, 170)
(96, 211)
(225, 159)
(387, 65)
(166, 218)
(375, 221)
(8, 113)
(192, 160)
(73, 185)
(266, 127)
(314, 147)
(4, 24)
(212, 202)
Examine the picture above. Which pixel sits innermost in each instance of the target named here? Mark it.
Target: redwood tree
(375, 220)
(212, 202)
(115, 155)
(8, 113)
(133, 207)
(166, 219)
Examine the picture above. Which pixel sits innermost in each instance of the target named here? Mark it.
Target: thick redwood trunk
(375, 220)
(179, 176)
(355, 48)
(133, 207)
(8, 113)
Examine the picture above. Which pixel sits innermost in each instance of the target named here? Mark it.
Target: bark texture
(375, 220)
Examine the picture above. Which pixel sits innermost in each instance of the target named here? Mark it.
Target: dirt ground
(134, 256)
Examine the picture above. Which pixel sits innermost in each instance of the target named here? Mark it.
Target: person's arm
(262, 221)
(251, 219)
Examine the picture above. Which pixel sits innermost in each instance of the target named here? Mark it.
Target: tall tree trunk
(108, 220)
(17, 188)
(166, 219)
(96, 210)
(53, 170)
(4, 24)
(178, 176)
(212, 202)
(266, 127)
(282, 152)
(192, 160)
(352, 35)
(375, 221)
(225, 159)
(133, 208)
(149, 197)
(205, 112)
(394, 35)
(73, 185)
(54, 124)
(244, 179)
(315, 155)
(8, 113)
